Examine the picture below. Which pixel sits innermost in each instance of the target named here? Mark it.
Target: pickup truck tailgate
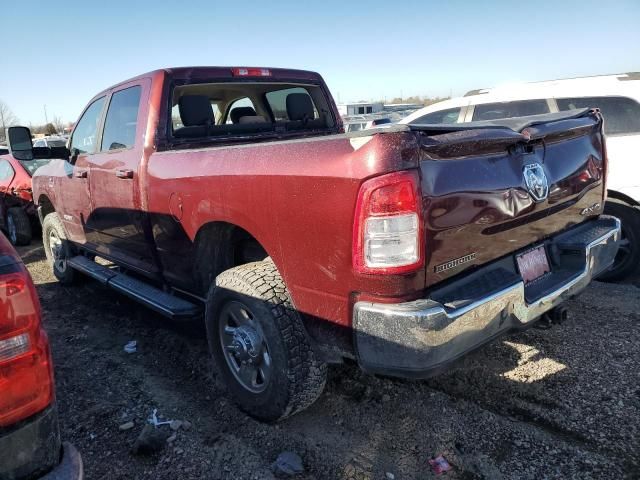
(490, 190)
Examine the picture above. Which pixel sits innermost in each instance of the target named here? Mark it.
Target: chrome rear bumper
(419, 338)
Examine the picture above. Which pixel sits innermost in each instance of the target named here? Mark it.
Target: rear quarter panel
(296, 197)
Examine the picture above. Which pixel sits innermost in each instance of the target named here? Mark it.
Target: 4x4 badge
(536, 181)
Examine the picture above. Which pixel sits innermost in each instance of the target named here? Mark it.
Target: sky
(60, 54)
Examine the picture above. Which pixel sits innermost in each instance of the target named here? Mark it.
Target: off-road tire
(630, 218)
(298, 376)
(63, 272)
(22, 224)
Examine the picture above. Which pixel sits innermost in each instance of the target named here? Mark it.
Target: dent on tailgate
(477, 204)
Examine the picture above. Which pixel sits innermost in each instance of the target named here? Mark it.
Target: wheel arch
(220, 246)
(621, 197)
(45, 206)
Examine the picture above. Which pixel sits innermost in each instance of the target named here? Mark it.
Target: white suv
(617, 96)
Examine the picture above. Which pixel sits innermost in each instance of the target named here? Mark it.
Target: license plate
(533, 264)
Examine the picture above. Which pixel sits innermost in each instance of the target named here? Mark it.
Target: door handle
(80, 174)
(124, 173)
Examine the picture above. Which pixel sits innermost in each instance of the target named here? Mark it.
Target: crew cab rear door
(116, 212)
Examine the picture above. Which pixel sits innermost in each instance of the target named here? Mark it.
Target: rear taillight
(388, 225)
(26, 376)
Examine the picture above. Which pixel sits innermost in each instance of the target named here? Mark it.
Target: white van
(617, 96)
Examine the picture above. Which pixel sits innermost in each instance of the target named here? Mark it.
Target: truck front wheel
(258, 341)
(628, 258)
(57, 249)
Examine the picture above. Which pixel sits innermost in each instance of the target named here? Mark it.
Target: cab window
(498, 111)
(84, 135)
(443, 116)
(621, 114)
(122, 120)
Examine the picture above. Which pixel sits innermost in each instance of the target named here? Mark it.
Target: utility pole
(46, 120)
(2, 134)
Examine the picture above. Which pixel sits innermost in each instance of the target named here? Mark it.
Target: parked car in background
(403, 247)
(617, 97)
(376, 122)
(51, 141)
(355, 123)
(30, 445)
(18, 215)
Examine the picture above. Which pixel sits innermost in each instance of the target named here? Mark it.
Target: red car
(30, 445)
(18, 216)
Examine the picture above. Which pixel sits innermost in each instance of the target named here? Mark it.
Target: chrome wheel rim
(11, 227)
(56, 249)
(245, 347)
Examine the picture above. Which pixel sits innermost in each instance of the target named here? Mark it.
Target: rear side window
(277, 101)
(6, 170)
(122, 120)
(84, 135)
(498, 111)
(443, 116)
(621, 114)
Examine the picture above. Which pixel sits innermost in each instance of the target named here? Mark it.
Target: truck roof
(222, 72)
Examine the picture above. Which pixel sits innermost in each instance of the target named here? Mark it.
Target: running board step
(152, 297)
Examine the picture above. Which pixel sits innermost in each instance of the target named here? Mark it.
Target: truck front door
(114, 179)
(74, 185)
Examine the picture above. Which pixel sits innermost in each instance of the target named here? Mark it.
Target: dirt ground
(558, 403)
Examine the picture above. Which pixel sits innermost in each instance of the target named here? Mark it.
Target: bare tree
(7, 118)
(58, 124)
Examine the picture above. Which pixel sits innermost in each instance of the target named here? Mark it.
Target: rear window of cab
(222, 110)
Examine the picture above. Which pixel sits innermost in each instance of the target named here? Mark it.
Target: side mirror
(73, 155)
(19, 141)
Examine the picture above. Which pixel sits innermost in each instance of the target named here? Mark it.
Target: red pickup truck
(234, 193)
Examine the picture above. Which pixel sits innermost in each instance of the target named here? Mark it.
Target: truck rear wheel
(18, 226)
(628, 257)
(57, 249)
(260, 344)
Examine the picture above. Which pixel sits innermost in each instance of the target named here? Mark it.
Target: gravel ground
(558, 403)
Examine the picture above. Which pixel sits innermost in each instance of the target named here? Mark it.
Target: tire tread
(307, 375)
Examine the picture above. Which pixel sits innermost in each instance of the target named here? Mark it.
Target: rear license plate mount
(533, 264)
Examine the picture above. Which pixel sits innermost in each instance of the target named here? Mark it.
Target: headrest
(195, 110)
(240, 112)
(252, 119)
(299, 106)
